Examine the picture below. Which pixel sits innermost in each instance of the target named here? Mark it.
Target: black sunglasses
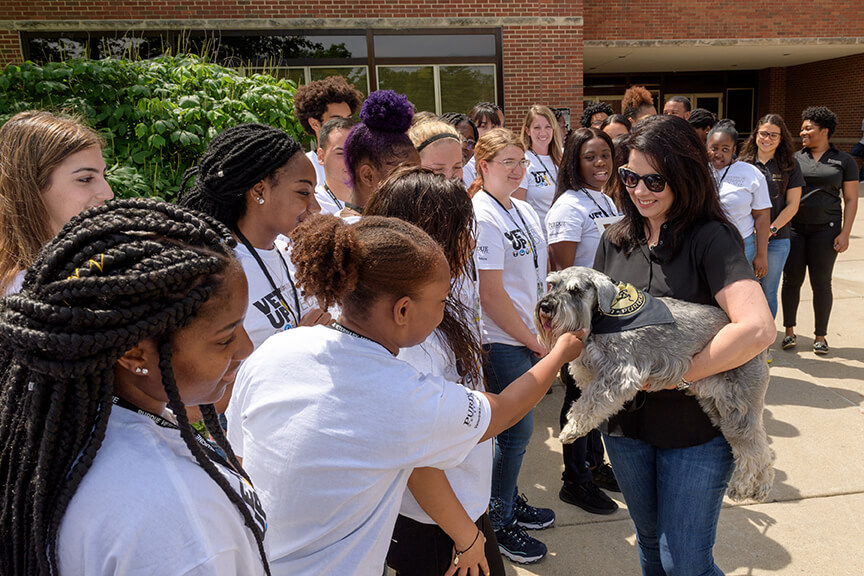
(654, 182)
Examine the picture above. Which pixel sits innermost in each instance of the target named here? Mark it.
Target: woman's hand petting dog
(569, 345)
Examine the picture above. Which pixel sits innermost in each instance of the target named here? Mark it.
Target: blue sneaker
(530, 517)
(515, 544)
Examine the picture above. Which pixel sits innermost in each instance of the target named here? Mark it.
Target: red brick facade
(542, 51)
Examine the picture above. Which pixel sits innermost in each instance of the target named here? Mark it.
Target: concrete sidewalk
(813, 521)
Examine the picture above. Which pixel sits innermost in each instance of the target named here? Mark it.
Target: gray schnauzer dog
(654, 354)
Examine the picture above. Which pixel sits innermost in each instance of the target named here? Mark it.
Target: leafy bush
(156, 116)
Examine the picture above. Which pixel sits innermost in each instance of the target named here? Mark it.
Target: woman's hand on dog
(539, 349)
(569, 345)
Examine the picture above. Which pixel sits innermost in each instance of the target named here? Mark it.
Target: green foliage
(156, 116)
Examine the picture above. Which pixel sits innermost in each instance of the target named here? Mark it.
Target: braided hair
(114, 276)
(235, 160)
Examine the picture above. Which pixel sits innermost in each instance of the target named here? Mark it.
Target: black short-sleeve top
(711, 258)
(777, 190)
(821, 198)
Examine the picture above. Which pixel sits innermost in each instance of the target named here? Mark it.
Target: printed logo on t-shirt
(472, 415)
(735, 180)
(833, 161)
(541, 178)
(248, 494)
(275, 310)
(521, 245)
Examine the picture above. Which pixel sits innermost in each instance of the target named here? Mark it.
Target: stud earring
(260, 200)
(142, 371)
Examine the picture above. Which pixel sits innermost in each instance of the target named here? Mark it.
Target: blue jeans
(750, 248)
(778, 251)
(674, 498)
(504, 364)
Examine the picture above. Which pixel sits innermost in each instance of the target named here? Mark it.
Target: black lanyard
(537, 156)
(720, 182)
(208, 447)
(264, 269)
(595, 203)
(526, 232)
(333, 197)
(340, 328)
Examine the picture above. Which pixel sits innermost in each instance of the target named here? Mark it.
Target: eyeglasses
(769, 135)
(511, 164)
(653, 182)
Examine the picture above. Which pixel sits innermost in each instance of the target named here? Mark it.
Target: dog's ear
(607, 291)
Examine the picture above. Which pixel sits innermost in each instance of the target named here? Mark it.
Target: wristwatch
(773, 230)
(684, 384)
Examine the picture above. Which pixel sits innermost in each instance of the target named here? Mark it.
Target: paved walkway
(812, 523)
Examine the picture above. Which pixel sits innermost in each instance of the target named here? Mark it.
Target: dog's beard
(565, 318)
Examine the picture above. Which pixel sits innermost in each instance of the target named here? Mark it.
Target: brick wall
(542, 63)
(837, 84)
(677, 19)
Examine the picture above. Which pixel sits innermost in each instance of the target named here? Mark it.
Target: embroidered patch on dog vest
(631, 309)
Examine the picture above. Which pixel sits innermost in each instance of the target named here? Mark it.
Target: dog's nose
(545, 307)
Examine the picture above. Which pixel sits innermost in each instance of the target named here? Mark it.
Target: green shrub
(156, 116)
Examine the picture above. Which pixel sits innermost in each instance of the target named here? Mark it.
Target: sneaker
(789, 342)
(820, 347)
(769, 358)
(604, 477)
(530, 517)
(587, 496)
(515, 544)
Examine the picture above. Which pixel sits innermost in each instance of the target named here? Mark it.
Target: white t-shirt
(319, 169)
(504, 243)
(269, 312)
(540, 181)
(15, 285)
(469, 173)
(742, 189)
(571, 219)
(147, 507)
(329, 204)
(472, 479)
(332, 428)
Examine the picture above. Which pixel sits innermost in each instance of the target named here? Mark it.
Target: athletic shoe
(518, 546)
(789, 342)
(820, 347)
(587, 496)
(604, 477)
(530, 517)
(769, 358)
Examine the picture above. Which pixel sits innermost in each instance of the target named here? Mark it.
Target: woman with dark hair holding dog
(131, 314)
(671, 463)
(335, 422)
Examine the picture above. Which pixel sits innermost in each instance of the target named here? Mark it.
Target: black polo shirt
(776, 189)
(821, 198)
(711, 258)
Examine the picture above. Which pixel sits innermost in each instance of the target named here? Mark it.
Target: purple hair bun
(387, 111)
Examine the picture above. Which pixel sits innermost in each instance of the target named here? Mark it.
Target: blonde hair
(488, 146)
(32, 145)
(557, 143)
(430, 131)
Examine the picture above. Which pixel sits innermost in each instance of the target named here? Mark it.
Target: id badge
(541, 289)
(605, 221)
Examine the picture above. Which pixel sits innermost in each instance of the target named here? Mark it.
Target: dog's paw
(572, 432)
(751, 487)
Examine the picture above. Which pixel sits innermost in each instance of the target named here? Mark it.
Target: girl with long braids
(422, 544)
(51, 168)
(129, 315)
(335, 422)
(256, 180)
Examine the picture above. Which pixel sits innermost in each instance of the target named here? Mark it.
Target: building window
(439, 71)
